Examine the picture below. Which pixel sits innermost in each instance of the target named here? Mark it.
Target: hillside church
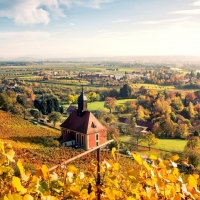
(82, 128)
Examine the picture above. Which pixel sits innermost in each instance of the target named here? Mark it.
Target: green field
(99, 105)
(164, 144)
(153, 86)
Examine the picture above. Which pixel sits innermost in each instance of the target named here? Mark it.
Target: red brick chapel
(82, 128)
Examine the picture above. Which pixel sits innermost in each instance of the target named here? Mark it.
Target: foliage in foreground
(160, 180)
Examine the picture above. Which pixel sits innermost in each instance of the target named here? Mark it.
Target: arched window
(82, 140)
(77, 138)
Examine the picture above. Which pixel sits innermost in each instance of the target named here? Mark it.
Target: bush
(50, 142)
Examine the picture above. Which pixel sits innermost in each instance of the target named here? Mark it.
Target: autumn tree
(114, 93)
(190, 96)
(131, 106)
(110, 103)
(150, 140)
(125, 91)
(193, 142)
(37, 115)
(167, 127)
(55, 117)
(191, 110)
(177, 104)
(181, 131)
(93, 96)
(113, 133)
(144, 101)
(136, 136)
(120, 108)
(192, 150)
(109, 118)
(140, 113)
(70, 99)
(162, 106)
(5, 101)
(197, 107)
(43, 107)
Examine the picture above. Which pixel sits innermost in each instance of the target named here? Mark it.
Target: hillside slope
(14, 126)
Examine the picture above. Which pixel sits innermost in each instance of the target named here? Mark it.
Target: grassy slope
(100, 104)
(165, 144)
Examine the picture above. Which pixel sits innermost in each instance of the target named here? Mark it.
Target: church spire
(82, 103)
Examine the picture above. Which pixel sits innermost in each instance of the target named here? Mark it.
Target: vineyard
(156, 181)
(38, 145)
(12, 126)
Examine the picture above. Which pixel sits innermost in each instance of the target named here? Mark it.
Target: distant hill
(25, 59)
(131, 59)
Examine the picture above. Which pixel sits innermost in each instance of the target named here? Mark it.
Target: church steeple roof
(82, 103)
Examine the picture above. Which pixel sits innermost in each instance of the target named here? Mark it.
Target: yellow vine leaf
(117, 193)
(110, 193)
(49, 198)
(14, 197)
(174, 158)
(61, 183)
(16, 182)
(192, 181)
(75, 189)
(196, 176)
(72, 169)
(34, 182)
(171, 178)
(152, 157)
(175, 171)
(166, 162)
(27, 197)
(116, 166)
(130, 198)
(4, 198)
(177, 197)
(45, 171)
(113, 152)
(24, 176)
(10, 155)
(132, 172)
(84, 194)
(162, 165)
(2, 149)
(92, 196)
(147, 166)
(20, 166)
(137, 158)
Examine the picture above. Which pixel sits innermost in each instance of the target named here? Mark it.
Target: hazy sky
(76, 28)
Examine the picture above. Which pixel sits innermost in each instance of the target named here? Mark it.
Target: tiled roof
(141, 123)
(71, 108)
(86, 124)
(149, 125)
(124, 120)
